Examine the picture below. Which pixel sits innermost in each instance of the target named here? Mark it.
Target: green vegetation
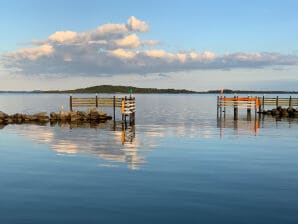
(121, 89)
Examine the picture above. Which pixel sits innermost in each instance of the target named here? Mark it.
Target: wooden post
(70, 102)
(122, 110)
(276, 102)
(220, 107)
(290, 102)
(134, 111)
(224, 107)
(96, 99)
(260, 106)
(249, 107)
(263, 104)
(217, 107)
(235, 108)
(256, 105)
(114, 108)
(125, 111)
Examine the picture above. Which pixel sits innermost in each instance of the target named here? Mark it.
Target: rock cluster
(73, 116)
(282, 112)
(91, 116)
(23, 118)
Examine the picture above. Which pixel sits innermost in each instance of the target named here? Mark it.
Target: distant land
(128, 89)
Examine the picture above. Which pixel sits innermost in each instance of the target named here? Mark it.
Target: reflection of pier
(251, 124)
(248, 123)
(114, 143)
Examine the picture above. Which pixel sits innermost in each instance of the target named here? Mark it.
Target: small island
(112, 89)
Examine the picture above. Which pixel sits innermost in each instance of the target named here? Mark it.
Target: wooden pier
(127, 105)
(258, 104)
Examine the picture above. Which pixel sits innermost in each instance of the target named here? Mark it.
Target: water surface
(178, 164)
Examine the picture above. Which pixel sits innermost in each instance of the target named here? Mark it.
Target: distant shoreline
(109, 89)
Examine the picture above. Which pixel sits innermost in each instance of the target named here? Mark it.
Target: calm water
(179, 164)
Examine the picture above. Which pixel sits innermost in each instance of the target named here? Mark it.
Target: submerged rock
(282, 112)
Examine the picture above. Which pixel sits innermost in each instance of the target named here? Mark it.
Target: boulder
(54, 116)
(3, 115)
(82, 116)
(64, 116)
(73, 116)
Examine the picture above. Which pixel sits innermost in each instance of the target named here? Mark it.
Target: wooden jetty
(256, 103)
(127, 105)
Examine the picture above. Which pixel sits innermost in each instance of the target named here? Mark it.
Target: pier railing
(256, 103)
(127, 104)
(277, 102)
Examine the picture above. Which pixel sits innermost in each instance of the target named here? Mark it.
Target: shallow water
(178, 164)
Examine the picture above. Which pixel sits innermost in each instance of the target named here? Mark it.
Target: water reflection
(252, 124)
(112, 142)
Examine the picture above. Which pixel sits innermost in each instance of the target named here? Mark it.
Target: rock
(3, 115)
(284, 114)
(82, 116)
(275, 112)
(64, 116)
(73, 116)
(41, 114)
(8, 120)
(94, 115)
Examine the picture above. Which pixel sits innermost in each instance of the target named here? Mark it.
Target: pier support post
(96, 101)
(114, 108)
(235, 108)
(217, 107)
(70, 102)
(249, 108)
(263, 104)
(276, 102)
(224, 107)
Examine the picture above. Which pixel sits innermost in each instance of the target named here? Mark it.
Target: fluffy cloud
(63, 36)
(32, 54)
(117, 49)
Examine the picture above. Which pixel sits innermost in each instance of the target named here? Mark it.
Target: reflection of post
(256, 126)
(123, 134)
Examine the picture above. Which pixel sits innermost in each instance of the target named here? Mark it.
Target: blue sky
(234, 28)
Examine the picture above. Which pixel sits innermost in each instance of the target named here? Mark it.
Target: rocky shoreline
(73, 116)
(282, 112)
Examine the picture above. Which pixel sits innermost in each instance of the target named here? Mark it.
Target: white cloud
(63, 36)
(130, 41)
(122, 53)
(137, 25)
(117, 49)
(33, 53)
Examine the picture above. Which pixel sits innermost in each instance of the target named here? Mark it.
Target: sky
(197, 45)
